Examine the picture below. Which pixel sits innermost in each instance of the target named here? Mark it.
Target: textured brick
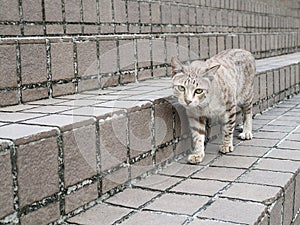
(133, 198)
(108, 56)
(142, 166)
(113, 142)
(143, 52)
(139, 132)
(33, 63)
(81, 197)
(87, 59)
(182, 204)
(89, 11)
(9, 98)
(29, 95)
(79, 148)
(9, 10)
(37, 170)
(267, 178)
(62, 61)
(209, 187)
(33, 30)
(72, 11)
(253, 192)
(155, 218)
(217, 173)
(115, 179)
(155, 12)
(42, 216)
(120, 10)
(224, 209)
(6, 194)
(164, 154)
(157, 182)
(235, 161)
(108, 215)
(53, 10)
(105, 9)
(126, 53)
(145, 12)
(8, 68)
(32, 10)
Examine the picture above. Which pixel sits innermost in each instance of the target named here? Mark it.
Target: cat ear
(211, 71)
(176, 65)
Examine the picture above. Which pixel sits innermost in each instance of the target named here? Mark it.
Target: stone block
(89, 8)
(105, 10)
(158, 51)
(9, 10)
(115, 179)
(72, 11)
(62, 61)
(37, 164)
(63, 89)
(133, 12)
(108, 57)
(164, 154)
(79, 148)
(54, 29)
(183, 48)
(87, 58)
(113, 142)
(224, 209)
(276, 212)
(184, 15)
(204, 51)
(29, 95)
(277, 165)
(8, 66)
(127, 57)
(145, 12)
(142, 166)
(33, 30)
(120, 10)
(218, 173)
(53, 10)
(180, 170)
(6, 194)
(11, 30)
(235, 161)
(288, 205)
(81, 197)
(140, 135)
(42, 216)
(263, 86)
(32, 10)
(33, 63)
(165, 13)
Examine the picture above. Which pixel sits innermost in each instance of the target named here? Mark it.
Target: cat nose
(188, 101)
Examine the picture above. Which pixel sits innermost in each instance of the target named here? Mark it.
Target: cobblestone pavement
(258, 183)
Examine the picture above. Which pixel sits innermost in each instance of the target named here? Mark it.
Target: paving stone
(283, 129)
(115, 179)
(181, 204)
(158, 182)
(151, 218)
(253, 192)
(49, 109)
(218, 173)
(290, 145)
(198, 221)
(105, 213)
(132, 198)
(278, 165)
(17, 116)
(276, 211)
(293, 155)
(201, 187)
(224, 209)
(266, 177)
(249, 151)
(260, 142)
(235, 161)
(180, 169)
(142, 166)
(294, 137)
(269, 135)
(289, 196)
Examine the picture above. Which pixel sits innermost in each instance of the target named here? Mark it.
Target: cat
(213, 89)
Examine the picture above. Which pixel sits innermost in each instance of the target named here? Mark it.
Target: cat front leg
(197, 127)
(227, 131)
(247, 128)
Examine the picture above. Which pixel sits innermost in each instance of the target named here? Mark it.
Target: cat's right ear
(176, 66)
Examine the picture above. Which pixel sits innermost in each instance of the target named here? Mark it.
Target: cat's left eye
(198, 91)
(181, 88)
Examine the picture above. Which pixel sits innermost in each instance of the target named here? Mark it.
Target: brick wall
(53, 48)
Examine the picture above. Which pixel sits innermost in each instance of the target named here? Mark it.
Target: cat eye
(198, 91)
(181, 88)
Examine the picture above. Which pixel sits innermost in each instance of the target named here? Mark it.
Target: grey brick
(8, 68)
(53, 10)
(87, 59)
(72, 11)
(32, 10)
(89, 11)
(9, 10)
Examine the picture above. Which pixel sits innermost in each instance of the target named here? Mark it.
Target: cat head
(191, 83)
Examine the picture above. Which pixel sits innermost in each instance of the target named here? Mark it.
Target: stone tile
(64, 122)
(81, 197)
(224, 209)
(6, 194)
(113, 142)
(294, 137)
(105, 213)
(283, 129)
(115, 179)
(140, 134)
(43, 215)
(260, 143)
(290, 145)
(133, 198)
(278, 165)
(269, 135)
(276, 212)
(142, 166)
(87, 58)
(198, 221)
(163, 120)
(266, 177)
(253, 192)
(283, 122)
(235, 161)
(284, 154)
(53, 11)
(201, 187)
(79, 148)
(37, 164)
(124, 104)
(180, 170)
(289, 196)
(80, 102)
(33, 94)
(48, 109)
(249, 151)
(181, 204)
(22, 133)
(17, 116)
(8, 68)
(89, 11)
(16, 108)
(218, 173)
(157, 182)
(154, 219)
(9, 11)
(164, 154)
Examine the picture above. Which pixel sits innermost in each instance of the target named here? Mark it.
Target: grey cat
(213, 89)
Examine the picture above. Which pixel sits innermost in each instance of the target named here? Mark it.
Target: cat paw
(196, 158)
(226, 148)
(246, 136)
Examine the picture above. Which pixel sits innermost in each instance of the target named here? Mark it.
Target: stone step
(61, 156)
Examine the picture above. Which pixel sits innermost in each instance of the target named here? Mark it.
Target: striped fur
(213, 89)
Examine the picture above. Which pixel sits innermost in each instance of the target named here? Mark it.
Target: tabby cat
(213, 89)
